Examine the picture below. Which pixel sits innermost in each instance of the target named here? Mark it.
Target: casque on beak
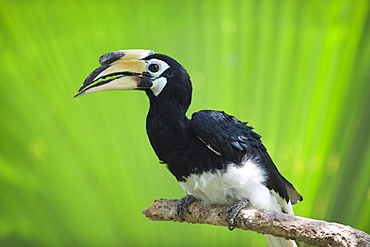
(119, 70)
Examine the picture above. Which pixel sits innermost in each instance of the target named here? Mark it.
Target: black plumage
(236, 141)
(175, 138)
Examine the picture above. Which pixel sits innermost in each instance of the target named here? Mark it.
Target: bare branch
(305, 230)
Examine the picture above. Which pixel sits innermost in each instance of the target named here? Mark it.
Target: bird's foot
(234, 210)
(183, 204)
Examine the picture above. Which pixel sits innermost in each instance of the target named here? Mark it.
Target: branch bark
(310, 231)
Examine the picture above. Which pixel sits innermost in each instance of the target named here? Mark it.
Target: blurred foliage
(78, 172)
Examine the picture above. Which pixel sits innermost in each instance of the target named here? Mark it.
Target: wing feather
(235, 140)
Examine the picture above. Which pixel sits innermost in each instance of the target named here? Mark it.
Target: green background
(78, 172)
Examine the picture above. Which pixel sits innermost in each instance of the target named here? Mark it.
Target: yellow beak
(119, 70)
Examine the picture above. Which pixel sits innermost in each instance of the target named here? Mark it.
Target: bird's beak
(119, 70)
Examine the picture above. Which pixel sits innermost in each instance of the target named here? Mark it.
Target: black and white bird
(216, 158)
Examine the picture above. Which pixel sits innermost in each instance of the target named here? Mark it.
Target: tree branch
(305, 230)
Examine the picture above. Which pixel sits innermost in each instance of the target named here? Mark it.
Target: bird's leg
(183, 204)
(234, 210)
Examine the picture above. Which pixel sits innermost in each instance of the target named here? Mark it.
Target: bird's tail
(279, 242)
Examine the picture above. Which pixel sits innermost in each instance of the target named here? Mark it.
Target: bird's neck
(167, 128)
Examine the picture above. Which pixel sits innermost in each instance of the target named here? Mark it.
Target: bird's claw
(234, 210)
(183, 204)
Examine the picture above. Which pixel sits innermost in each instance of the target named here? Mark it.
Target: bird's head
(159, 75)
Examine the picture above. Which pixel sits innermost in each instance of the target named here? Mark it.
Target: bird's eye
(153, 67)
(156, 67)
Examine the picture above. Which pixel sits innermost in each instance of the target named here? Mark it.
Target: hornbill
(216, 158)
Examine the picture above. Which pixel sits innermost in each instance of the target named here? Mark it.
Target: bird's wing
(224, 134)
(233, 139)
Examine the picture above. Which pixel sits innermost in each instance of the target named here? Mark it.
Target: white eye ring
(156, 67)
